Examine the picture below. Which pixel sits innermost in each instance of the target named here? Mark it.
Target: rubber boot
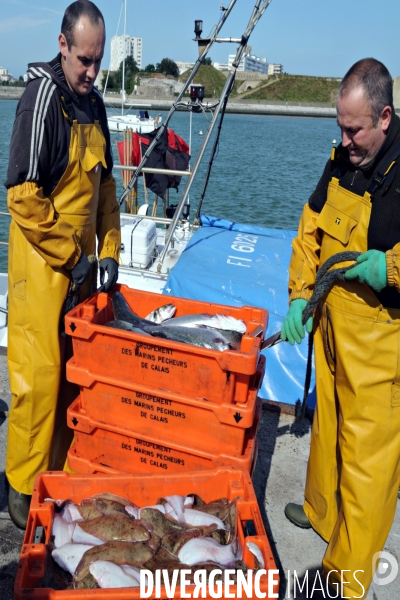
(18, 507)
(295, 513)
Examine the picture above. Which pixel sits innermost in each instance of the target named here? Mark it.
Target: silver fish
(123, 312)
(203, 337)
(159, 315)
(233, 337)
(126, 326)
(224, 322)
(258, 556)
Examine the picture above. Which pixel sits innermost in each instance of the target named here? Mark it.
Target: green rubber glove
(292, 327)
(371, 269)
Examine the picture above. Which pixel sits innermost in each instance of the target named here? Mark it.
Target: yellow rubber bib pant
(353, 471)
(36, 295)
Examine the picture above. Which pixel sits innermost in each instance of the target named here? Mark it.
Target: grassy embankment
(287, 88)
(212, 79)
(298, 88)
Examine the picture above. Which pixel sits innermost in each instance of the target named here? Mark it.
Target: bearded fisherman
(61, 196)
(354, 469)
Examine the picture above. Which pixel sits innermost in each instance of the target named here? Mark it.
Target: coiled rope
(324, 280)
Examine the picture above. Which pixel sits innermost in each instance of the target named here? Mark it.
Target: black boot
(295, 513)
(18, 507)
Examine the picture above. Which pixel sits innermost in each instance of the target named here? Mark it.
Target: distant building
(5, 75)
(250, 63)
(121, 48)
(184, 66)
(221, 66)
(275, 69)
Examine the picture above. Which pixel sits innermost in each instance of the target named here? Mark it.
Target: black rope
(301, 410)
(324, 280)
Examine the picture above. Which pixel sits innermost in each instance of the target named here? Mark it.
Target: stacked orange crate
(151, 404)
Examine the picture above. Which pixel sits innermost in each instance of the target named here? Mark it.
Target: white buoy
(200, 132)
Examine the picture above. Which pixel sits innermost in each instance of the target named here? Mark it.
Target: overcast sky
(309, 37)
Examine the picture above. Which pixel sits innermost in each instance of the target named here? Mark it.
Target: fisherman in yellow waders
(61, 195)
(354, 469)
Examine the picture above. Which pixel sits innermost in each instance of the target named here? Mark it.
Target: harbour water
(265, 169)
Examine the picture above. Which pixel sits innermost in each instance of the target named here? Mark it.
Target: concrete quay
(279, 478)
(10, 93)
(251, 107)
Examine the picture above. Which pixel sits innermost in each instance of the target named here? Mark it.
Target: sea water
(264, 171)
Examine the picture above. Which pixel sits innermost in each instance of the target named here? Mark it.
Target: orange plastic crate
(163, 364)
(143, 490)
(79, 464)
(195, 423)
(116, 448)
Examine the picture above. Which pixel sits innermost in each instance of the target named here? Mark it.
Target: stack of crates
(154, 418)
(152, 405)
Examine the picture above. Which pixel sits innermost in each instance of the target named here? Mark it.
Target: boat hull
(116, 124)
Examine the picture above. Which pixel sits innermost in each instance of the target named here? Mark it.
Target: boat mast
(164, 124)
(258, 10)
(123, 60)
(206, 43)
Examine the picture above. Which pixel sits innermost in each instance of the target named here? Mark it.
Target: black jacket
(41, 133)
(384, 226)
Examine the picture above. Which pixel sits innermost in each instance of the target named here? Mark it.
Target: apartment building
(123, 46)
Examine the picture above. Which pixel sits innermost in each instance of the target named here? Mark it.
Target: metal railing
(154, 170)
(160, 220)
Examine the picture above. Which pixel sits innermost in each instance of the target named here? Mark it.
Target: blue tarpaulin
(244, 265)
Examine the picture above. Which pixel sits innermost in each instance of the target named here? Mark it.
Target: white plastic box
(138, 242)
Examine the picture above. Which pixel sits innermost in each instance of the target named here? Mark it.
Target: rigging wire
(163, 126)
(109, 65)
(257, 12)
(213, 151)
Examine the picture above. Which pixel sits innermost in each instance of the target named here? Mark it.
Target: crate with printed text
(199, 424)
(163, 364)
(99, 447)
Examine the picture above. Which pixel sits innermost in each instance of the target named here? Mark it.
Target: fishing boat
(140, 123)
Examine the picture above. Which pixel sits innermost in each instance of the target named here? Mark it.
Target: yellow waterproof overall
(36, 295)
(353, 471)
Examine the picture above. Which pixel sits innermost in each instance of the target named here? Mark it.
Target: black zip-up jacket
(41, 133)
(384, 226)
